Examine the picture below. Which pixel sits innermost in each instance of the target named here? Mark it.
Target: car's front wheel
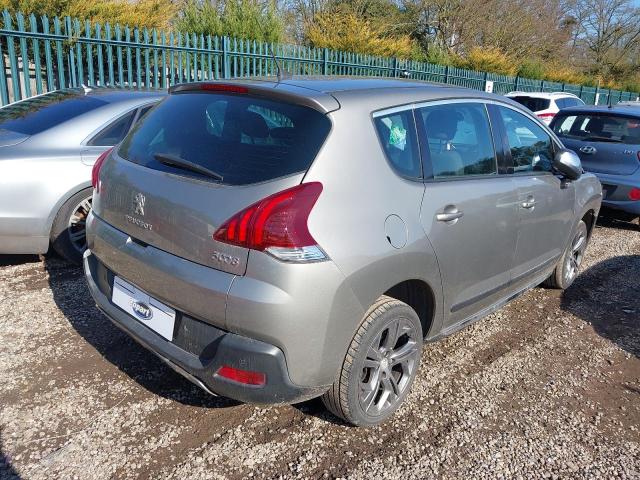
(68, 235)
(568, 267)
(380, 365)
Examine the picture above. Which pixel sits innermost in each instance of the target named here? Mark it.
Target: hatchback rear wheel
(380, 366)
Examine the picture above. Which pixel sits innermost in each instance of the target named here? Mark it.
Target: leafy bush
(136, 13)
(488, 60)
(346, 31)
(531, 68)
(247, 19)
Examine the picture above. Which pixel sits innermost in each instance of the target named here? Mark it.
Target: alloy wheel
(574, 259)
(77, 225)
(388, 367)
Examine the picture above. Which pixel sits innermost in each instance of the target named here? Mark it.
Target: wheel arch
(61, 201)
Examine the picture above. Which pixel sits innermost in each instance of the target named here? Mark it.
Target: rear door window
(398, 137)
(115, 132)
(599, 128)
(534, 104)
(244, 139)
(459, 139)
(531, 146)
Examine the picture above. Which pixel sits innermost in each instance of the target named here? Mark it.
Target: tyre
(568, 267)
(380, 365)
(68, 234)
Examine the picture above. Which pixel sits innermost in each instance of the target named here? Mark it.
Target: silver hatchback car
(277, 241)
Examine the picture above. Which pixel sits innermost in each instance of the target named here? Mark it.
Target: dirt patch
(547, 386)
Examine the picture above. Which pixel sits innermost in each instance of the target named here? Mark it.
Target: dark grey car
(278, 241)
(607, 139)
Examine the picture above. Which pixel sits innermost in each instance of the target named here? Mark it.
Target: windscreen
(37, 114)
(237, 139)
(599, 128)
(532, 103)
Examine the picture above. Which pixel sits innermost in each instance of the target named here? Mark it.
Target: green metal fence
(41, 54)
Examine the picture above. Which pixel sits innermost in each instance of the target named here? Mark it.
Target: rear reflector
(277, 225)
(246, 377)
(634, 194)
(223, 87)
(95, 171)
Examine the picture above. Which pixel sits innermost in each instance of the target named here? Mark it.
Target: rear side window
(599, 128)
(531, 146)
(243, 139)
(115, 132)
(40, 113)
(532, 103)
(398, 137)
(459, 139)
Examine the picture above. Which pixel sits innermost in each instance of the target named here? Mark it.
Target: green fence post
(107, 33)
(395, 66)
(60, 59)
(47, 54)
(4, 93)
(25, 57)
(446, 74)
(226, 74)
(517, 83)
(542, 86)
(36, 53)
(595, 96)
(325, 61)
(100, 58)
(13, 59)
(87, 34)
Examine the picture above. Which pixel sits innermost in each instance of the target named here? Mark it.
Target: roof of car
(114, 95)
(617, 109)
(541, 94)
(329, 93)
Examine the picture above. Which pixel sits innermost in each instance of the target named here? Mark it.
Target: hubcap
(77, 226)
(574, 259)
(391, 360)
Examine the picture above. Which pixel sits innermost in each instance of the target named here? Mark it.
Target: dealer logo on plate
(142, 310)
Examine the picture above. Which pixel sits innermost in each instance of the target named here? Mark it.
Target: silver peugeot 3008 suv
(277, 241)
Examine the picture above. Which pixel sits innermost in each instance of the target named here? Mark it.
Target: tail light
(95, 171)
(546, 117)
(634, 194)
(246, 377)
(277, 225)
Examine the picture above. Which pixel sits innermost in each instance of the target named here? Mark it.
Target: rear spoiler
(278, 91)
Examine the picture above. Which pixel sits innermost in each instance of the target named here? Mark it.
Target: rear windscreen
(598, 128)
(532, 103)
(242, 139)
(40, 113)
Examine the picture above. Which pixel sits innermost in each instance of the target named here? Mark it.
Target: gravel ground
(548, 386)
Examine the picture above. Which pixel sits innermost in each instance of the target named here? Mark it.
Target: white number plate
(154, 314)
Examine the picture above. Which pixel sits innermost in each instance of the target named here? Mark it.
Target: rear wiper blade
(601, 139)
(176, 161)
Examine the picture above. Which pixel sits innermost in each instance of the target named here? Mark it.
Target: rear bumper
(200, 349)
(616, 189)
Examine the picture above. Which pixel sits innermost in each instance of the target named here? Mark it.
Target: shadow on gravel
(7, 472)
(72, 297)
(9, 260)
(618, 223)
(607, 297)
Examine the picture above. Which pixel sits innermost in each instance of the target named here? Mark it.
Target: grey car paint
(311, 311)
(39, 173)
(616, 164)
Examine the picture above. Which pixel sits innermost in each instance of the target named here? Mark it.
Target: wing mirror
(568, 164)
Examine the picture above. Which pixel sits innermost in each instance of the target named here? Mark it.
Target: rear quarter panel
(33, 188)
(360, 191)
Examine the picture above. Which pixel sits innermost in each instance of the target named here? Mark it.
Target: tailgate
(177, 214)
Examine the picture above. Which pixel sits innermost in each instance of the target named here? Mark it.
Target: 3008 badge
(222, 258)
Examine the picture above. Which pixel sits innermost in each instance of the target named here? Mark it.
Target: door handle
(529, 204)
(449, 216)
